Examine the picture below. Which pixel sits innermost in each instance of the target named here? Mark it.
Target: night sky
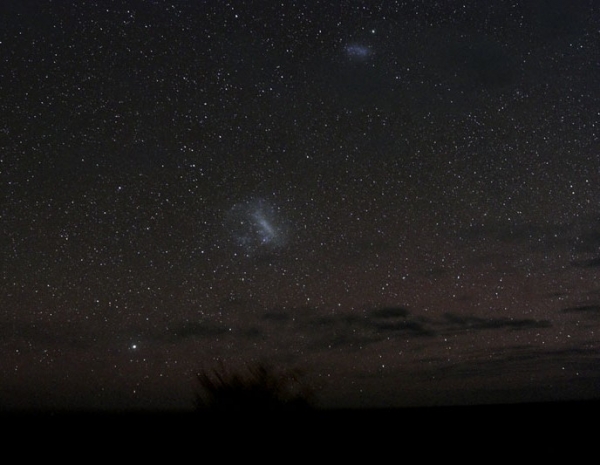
(400, 199)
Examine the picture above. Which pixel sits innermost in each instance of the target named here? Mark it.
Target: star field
(400, 199)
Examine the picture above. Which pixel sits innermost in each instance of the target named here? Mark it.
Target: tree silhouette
(260, 388)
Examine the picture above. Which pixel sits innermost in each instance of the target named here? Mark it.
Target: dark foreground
(526, 420)
(496, 433)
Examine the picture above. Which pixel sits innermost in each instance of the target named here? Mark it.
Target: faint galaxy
(400, 199)
(357, 51)
(255, 226)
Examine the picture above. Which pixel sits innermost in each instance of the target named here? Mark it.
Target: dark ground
(543, 425)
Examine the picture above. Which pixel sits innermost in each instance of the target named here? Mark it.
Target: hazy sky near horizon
(400, 198)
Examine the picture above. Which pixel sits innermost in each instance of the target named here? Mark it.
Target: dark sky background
(400, 199)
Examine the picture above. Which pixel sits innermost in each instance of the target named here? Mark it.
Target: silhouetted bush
(258, 389)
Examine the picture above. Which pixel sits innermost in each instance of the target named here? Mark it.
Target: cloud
(32, 335)
(587, 309)
(386, 322)
(382, 324)
(343, 329)
(396, 320)
(197, 329)
(277, 317)
(592, 263)
(390, 312)
(477, 323)
(312, 329)
(308, 329)
(522, 364)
